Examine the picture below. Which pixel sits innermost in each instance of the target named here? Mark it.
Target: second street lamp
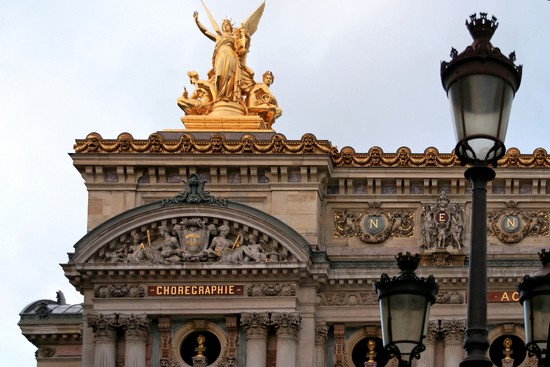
(405, 302)
(534, 293)
(480, 83)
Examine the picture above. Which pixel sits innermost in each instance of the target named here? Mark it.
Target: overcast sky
(358, 73)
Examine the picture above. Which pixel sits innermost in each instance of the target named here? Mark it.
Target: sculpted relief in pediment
(193, 239)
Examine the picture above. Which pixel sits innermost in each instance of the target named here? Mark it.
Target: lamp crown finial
(482, 28)
(407, 262)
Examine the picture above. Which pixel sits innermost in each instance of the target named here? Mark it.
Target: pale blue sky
(358, 73)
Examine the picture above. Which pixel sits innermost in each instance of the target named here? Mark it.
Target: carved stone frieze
(116, 290)
(442, 225)
(191, 239)
(374, 225)
(276, 289)
(442, 258)
(511, 225)
(348, 298)
(451, 298)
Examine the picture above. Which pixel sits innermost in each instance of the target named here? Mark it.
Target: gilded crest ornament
(511, 225)
(374, 225)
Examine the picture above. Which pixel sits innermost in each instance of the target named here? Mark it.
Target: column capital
(434, 331)
(453, 331)
(321, 333)
(135, 326)
(104, 326)
(286, 323)
(255, 323)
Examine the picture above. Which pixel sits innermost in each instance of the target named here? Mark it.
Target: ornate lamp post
(405, 302)
(481, 83)
(534, 292)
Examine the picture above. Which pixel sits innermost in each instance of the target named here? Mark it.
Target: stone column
(427, 357)
(135, 328)
(232, 340)
(287, 326)
(104, 328)
(255, 326)
(453, 334)
(339, 345)
(321, 332)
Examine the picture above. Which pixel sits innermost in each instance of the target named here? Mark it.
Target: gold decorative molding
(156, 143)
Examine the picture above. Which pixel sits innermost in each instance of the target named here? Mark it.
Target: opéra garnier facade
(229, 244)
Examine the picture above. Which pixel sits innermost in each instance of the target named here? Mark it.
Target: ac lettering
(506, 297)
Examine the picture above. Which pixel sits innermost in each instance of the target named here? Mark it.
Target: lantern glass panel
(480, 105)
(537, 309)
(408, 325)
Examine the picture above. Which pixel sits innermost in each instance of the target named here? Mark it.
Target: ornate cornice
(279, 144)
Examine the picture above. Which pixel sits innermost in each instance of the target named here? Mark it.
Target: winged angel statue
(230, 81)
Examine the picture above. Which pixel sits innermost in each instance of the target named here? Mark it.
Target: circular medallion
(510, 223)
(373, 224)
(442, 217)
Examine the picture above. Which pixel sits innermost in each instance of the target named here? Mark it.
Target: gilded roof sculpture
(229, 98)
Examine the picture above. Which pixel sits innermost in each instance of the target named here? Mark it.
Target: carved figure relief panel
(193, 239)
(442, 225)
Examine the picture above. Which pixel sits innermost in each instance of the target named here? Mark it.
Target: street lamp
(405, 302)
(480, 83)
(534, 295)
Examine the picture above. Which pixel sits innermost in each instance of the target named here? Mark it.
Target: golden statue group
(230, 90)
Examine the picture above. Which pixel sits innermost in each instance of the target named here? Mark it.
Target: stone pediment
(193, 227)
(189, 234)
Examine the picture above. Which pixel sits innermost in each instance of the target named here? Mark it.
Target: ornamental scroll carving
(511, 225)
(194, 193)
(193, 239)
(277, 289)
(122, 290)
(450, 298)
(373, 225)
(348, 298)
(442, 225)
